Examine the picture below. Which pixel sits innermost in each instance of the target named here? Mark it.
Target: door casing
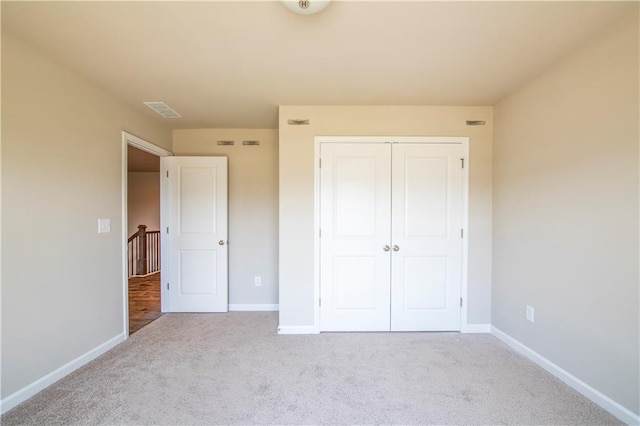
(464, 141)
(130, 139)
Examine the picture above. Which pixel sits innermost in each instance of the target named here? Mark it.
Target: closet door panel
(355, 208)
(426, 237)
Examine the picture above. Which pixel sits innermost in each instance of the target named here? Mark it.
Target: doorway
(141, 232)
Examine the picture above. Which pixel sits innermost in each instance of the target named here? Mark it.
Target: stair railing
(144, 252)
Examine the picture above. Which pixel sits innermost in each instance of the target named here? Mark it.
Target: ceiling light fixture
(306, 7)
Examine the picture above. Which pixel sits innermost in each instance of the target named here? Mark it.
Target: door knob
(221, 242)
(386, 248)
(396, 248)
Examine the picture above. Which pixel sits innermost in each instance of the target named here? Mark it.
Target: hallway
(144, 301)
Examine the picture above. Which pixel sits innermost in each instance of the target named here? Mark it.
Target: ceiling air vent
(162, 109)
(298, 122)
(251, 143)
(476, 122)
(226, 143)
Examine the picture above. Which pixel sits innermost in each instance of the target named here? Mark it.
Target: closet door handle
(386, 248)
(396, 248)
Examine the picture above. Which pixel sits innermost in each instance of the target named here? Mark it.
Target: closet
(391, 232)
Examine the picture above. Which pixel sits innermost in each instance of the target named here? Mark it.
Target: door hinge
(462, 162)
(167, 229)
(320, 163)
(320, 232)
(167, 173)
(461, 232)
(319, 301)
(167, 286)
(461, 302)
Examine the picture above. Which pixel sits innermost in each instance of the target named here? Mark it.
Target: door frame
(129, 139)
(464, 141)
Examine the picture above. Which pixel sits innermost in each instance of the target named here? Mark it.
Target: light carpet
(234, 369)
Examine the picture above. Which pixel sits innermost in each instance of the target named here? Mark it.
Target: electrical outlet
(530, 313)
(257, 281)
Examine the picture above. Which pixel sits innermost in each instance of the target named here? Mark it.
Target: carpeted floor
(234, 369)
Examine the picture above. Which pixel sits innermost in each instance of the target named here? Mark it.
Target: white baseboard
(475, 328)
(145, 275)
(254, 307)
(594, 395)
(30, 390)
(297, 329)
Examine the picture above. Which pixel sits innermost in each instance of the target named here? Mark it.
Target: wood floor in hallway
(144, 301)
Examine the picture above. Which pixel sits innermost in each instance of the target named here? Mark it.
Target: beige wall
(253, 206)
(62, 289)
(143, 201)
(297, 191)
(566, 215)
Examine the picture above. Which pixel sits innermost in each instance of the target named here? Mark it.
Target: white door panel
(426, 224)
(197, 238)
(355, 208)
(407, 198)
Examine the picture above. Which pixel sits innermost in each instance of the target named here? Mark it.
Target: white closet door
(427, 249)
(355, 224)
(197, 239)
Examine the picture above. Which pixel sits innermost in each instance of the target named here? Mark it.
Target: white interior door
(196, 209)
(355, 227)
(426, 236)
(390, 245)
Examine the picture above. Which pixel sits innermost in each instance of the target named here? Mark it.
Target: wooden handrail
(133, 237)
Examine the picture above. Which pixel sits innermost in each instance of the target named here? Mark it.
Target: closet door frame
(464, 141)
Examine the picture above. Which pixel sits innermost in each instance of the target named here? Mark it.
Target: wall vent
(298, 122)
(162, 109)
(476, 122)
(226, 143)
(250, 142)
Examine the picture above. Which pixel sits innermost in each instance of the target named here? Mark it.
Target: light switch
(104, 226)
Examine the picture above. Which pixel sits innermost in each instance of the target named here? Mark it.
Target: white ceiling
(230, 64)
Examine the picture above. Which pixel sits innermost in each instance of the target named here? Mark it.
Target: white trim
(589, 392)
(464, 141)
(145, 275)
(145, 145)
(393, 139)
(475, 328)
(464, 273)
(316, 234)
(42, 383)
(298, 329)
(164, 240)
(135, 141)
(235, 307)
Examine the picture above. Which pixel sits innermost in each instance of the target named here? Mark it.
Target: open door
(195, 231)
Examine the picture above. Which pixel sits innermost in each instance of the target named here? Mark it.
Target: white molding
(145, 275)
(42, 383)
(144, 145)
(464, 259)
(475, 328)
(135, 141)
(316, 234)
(395, 139)
(298, 329)
(253, 307)
(589, 392)
(164, 240)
